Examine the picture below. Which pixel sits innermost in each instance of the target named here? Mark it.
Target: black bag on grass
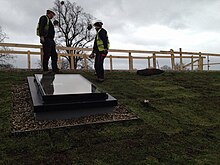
(149, 72)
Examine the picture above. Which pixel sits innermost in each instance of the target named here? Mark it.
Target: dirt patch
(23, 119)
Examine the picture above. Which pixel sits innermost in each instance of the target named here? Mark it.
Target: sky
(193, 25)
(141, 24)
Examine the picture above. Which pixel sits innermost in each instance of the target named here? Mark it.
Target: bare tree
(3, 36)
(74, 27)
(4, 57)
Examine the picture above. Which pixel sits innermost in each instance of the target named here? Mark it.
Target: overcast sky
(193, 25)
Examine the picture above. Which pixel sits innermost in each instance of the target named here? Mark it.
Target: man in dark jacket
(100, 50)
(46, 32)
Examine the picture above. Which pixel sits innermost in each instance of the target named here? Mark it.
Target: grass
(181, 124)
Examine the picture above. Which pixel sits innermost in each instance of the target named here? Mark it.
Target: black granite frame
(50, 107)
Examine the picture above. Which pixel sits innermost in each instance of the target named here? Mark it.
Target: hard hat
(50, 11)
(98, 23)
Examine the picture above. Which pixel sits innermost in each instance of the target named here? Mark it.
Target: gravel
(23, 120)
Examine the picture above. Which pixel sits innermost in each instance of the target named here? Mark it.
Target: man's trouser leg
(54, 57)
(46, 55)
(99, 60)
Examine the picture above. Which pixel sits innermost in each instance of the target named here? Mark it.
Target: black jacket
(104, 37)
(42, 24)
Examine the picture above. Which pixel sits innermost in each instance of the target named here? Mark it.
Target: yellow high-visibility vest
(46, 27)
(100, 42)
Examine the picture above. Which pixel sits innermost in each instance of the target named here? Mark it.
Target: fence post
(181, 59)
(58, 58)
(200, 62)
(154, 61)
(208, 66)
(41, 57)
(110, 59)
(29, 59)
(172, 59)
(71, 60)
(148, 62)
(85, 62)
(192, 63)
(130, 58)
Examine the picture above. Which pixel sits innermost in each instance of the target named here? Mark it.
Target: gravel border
(22, 116)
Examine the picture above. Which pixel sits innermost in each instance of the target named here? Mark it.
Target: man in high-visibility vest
(46, 33)
(100, 50)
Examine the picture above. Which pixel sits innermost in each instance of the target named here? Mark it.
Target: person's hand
(42, 40)
(92, 55)
(106, 51)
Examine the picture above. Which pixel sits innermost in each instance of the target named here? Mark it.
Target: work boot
(100, 79)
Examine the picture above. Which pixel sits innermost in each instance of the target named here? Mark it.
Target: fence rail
(196, 59)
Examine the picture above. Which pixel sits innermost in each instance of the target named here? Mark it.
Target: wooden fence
(196, 59)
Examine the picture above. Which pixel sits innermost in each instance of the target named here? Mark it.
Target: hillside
(180, 125)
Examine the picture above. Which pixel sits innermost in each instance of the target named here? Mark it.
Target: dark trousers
(49, 49)
(99, 60)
